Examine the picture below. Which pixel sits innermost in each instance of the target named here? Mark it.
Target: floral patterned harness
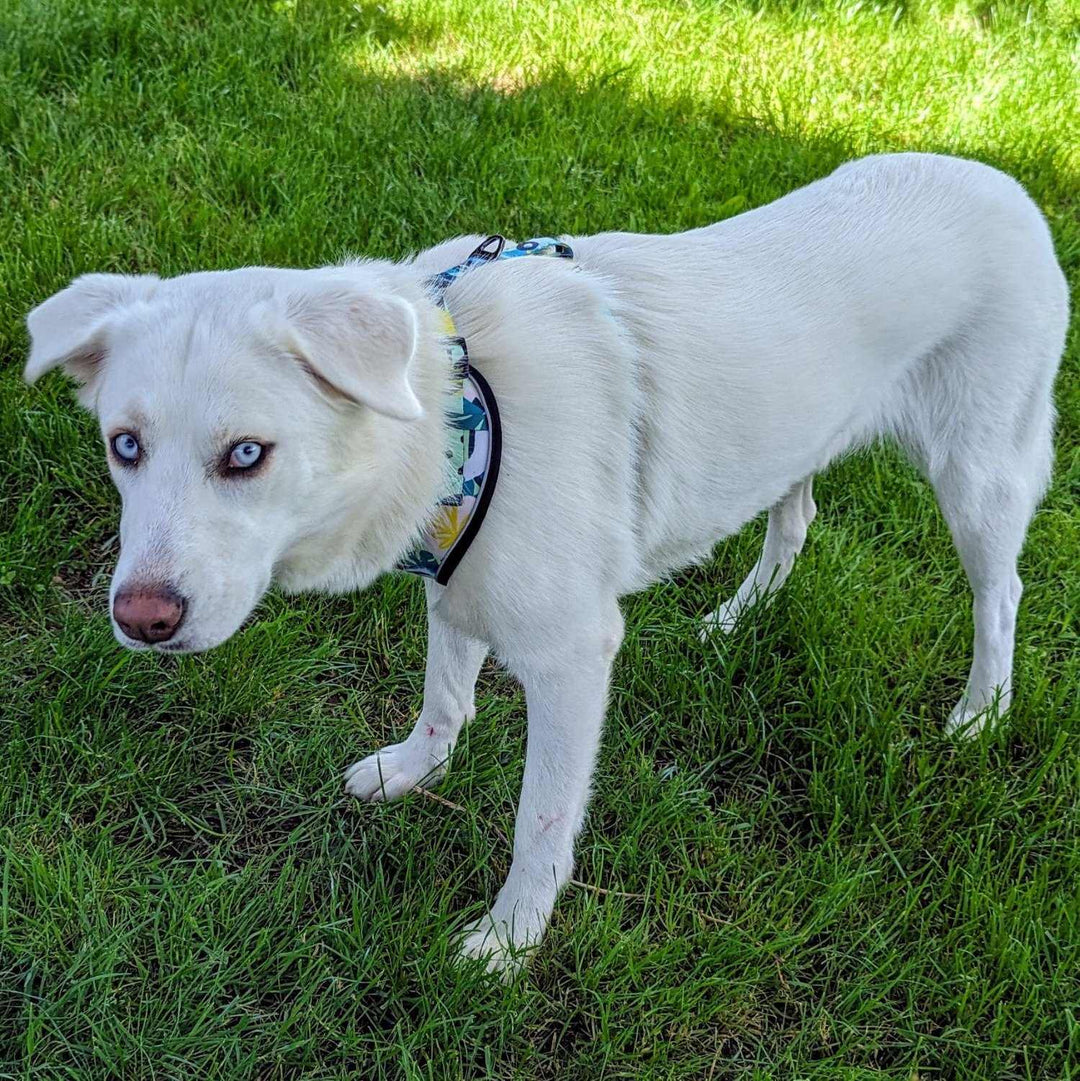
(474, 437)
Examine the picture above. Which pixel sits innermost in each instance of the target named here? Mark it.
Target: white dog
(656, 393)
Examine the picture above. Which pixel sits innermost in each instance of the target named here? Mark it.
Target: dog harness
(474, 437)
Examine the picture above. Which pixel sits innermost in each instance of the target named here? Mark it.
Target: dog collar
(474, 436)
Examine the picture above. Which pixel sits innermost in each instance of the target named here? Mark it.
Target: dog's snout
(148, 613)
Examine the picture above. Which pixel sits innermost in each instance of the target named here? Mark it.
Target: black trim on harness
(491, 476)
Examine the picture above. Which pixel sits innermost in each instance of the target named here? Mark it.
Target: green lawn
(789, 872)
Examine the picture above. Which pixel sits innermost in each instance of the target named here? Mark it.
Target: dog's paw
(978, 712)
(392, 772)
(500, 947)
(723, 620)
(966, 722)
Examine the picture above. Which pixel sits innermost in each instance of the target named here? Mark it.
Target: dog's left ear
(70, 327)
(357, 346)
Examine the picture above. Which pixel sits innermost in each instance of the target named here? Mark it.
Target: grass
(803, 878)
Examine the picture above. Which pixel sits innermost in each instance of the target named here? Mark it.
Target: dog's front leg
(453, 663)
(565, 698)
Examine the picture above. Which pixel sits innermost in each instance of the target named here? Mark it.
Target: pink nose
(148, 613)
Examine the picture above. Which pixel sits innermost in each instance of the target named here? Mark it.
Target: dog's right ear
(357, 345)
(69, 328)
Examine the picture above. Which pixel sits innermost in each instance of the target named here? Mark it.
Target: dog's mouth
(177, 646)
(173, 647)
(133, 644)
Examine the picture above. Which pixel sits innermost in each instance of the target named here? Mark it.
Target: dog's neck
(360, 539)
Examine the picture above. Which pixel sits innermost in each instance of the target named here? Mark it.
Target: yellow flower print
(446, 527)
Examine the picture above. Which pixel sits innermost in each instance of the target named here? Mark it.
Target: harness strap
(494, 247)
(474, 444)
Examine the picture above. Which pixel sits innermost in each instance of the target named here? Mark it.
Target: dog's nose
(148, 613)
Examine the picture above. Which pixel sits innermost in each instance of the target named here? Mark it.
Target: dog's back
(902, 295)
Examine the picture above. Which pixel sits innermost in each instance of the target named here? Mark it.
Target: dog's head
(245, 415)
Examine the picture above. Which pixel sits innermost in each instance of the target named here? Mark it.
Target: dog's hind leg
(987, 518)
(988, 457)
(784, 537)
(988, 513)
(453, 664)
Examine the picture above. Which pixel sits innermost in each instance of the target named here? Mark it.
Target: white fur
(656, 394)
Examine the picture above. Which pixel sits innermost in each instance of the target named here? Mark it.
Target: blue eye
(245, 455)
(126, 447)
